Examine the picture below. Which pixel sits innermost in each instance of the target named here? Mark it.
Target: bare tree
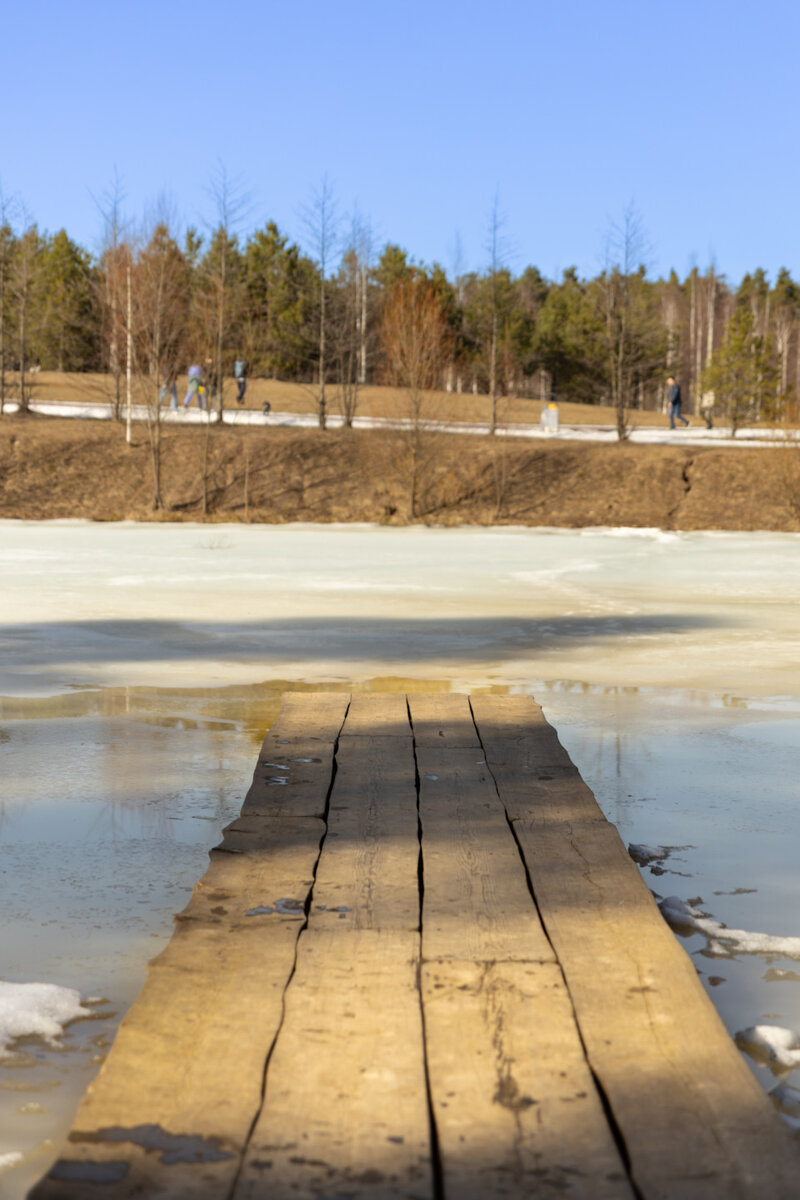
(231, 204)
(321, 223)
(160, 292)
(350, 324)
(115, 259)
(24, 275)
(633, 335)
(495, 244)
(414, 337)
(7, 212)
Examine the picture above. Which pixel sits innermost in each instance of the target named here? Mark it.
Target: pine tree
(67, 337)
(742, 374)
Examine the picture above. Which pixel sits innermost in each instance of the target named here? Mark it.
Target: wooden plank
(695, 1122)
(368, 874)
(170, 1111)
(345, 1108)
(295, 765)
(477, 903)
(519, 1115)
(345, 1111)
(315, 716)
(442, 720)
(378, 714)
(515, 729)
(555, 795)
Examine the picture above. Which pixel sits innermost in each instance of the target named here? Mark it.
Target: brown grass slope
(52, 468)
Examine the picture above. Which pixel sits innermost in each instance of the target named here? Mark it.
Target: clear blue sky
(419, 112)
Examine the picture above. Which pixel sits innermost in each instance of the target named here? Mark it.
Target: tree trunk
(128, 363)
(493, 372)
(2, 337)
(23, 395)
(362, 375)
(221, 323)
(711, 306)
(322, 414)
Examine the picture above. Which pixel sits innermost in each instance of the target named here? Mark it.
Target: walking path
(696, 435)
(421, 964)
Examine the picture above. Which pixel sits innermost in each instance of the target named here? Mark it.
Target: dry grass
(52, 467)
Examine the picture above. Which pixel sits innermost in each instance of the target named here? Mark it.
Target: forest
(340, 312)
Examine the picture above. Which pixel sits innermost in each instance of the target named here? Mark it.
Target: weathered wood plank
(170, 1111)
(345, 1109)
(477, 901)
(518, 722)
(442, 720)
(519, 1114)
(368, 874)
(695, 1122)
(294, 767)
(313, 716)
(554, 795)
(378, 714)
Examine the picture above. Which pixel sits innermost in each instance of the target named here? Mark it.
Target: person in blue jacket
(675, 403)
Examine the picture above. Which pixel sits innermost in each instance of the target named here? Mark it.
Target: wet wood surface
(421, 964)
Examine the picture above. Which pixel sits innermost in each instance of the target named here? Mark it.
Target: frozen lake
(141, 665)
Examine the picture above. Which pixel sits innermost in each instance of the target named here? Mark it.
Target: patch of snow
(723, 942)
(787, 1099)
(771, 1044)
(36, 1010)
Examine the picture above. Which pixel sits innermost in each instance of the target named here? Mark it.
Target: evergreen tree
(67, 336)
(568, 341)
(742, 374)
(276, 309)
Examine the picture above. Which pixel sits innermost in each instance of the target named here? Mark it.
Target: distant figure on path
(240, 375)
(707, 402)
(169, 388)
(675, 403)
(195, 374)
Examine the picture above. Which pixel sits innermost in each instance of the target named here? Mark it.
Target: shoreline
(60, 469)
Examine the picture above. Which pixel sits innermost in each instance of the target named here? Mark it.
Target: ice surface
(722, 941)
(36, 1010)
(123, 604)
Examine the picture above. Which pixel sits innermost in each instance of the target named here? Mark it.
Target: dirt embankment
(55, 468)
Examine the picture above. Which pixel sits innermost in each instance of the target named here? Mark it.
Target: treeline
(341, 314)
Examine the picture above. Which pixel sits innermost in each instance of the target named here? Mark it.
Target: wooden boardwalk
(421, 964)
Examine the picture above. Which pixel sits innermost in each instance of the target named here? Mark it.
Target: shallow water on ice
(141, 667)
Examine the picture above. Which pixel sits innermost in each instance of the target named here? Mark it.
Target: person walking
(240, 375)
(196, 388)
(674, 398)
(169, 389)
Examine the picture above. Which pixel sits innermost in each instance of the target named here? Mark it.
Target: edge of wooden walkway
(422, 964)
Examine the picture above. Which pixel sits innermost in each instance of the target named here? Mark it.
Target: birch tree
(114, 264)
(321, 222)
(7, 207)
(24, 277)
(222, 271)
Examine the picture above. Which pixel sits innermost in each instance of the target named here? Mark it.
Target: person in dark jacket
(675, 403)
